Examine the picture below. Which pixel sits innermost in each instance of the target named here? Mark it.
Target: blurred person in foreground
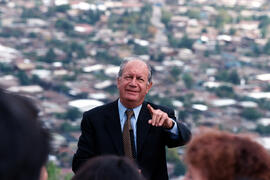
(151, 127)
(24, 142)
(108, 167)
(217, 155)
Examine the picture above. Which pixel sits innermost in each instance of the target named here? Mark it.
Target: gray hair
(128, 59)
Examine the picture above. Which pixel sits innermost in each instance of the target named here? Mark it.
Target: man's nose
(133, 81)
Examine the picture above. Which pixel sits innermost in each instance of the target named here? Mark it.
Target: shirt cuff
(174, 130)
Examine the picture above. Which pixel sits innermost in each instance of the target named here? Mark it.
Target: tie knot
(129, 113)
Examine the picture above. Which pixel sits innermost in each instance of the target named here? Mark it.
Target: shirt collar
(122, 109)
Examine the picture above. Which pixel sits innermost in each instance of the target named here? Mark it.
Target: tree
(53, 171)
(73, 114)
(173, 157)
(67, 127)
(166, 17)
(188, 80)
(263, 130)
(139, 50)
(64, 25)
(234, 78)
(193, 13)
(186, 42)
(227, 76)
(175, 72)
(222, 18)
(50, 56)
(23, 78)
(225, 91)
(179, 169)
(266, 48)
(251, 114)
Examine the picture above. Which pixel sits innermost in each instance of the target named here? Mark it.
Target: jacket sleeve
(184, 133)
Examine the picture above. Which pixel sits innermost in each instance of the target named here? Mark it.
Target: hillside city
(211, 62)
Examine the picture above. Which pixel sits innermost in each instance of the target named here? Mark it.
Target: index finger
(150, 108)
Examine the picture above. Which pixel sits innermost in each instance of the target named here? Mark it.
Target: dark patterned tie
(126, 135)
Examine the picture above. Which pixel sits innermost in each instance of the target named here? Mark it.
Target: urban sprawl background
(211, 61)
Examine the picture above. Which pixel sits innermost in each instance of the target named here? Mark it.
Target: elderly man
(130, 126)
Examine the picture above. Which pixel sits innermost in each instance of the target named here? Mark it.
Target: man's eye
(141, 79)
(128, 77)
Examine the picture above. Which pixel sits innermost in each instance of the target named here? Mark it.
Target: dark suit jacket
(101, 134)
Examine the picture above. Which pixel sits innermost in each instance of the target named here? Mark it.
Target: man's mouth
(131, 91)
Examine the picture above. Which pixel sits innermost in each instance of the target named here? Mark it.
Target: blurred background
(211, 61)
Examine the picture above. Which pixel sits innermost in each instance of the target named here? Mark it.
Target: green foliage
(172, 155)
(135, 23)
(263, 130)
(217, 48)
(179, 169)
(187, 100)
(234, 78)
(104, 56)
(61, 88)
(72, 114)
(165, 17)
(157, 57)
(225, 91)
(53, 171)
(228, 76)
(184, 42)
(62, 8)
(36, 80)
(264, 21)
(23, 78)
(193, 13)
(67, 127)
(182, 115)
(32, 35)
(49, 57)
(79, 49)
(264, 104)
(70, 48)
(232, 31)
(89, 17)
(139, 50)
(64, 25)
(188, 80)
(266, 48)
(6, 68)
(11, 32)
(31, 13)
(175, 72)
(222, 18)
(68, 176)
(159, 100)
(251, 114)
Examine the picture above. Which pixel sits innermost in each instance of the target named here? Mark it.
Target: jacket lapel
(114, 127)
(142, 127)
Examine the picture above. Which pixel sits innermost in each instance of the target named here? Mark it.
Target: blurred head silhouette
(109, 167)
(24, 142)
(217, 155)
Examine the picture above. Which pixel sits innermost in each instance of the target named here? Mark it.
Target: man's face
(133, 85)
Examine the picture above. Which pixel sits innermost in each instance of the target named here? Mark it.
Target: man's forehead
(137, 62)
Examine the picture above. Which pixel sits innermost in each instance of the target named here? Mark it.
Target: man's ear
(149, 85)
(117, 82)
